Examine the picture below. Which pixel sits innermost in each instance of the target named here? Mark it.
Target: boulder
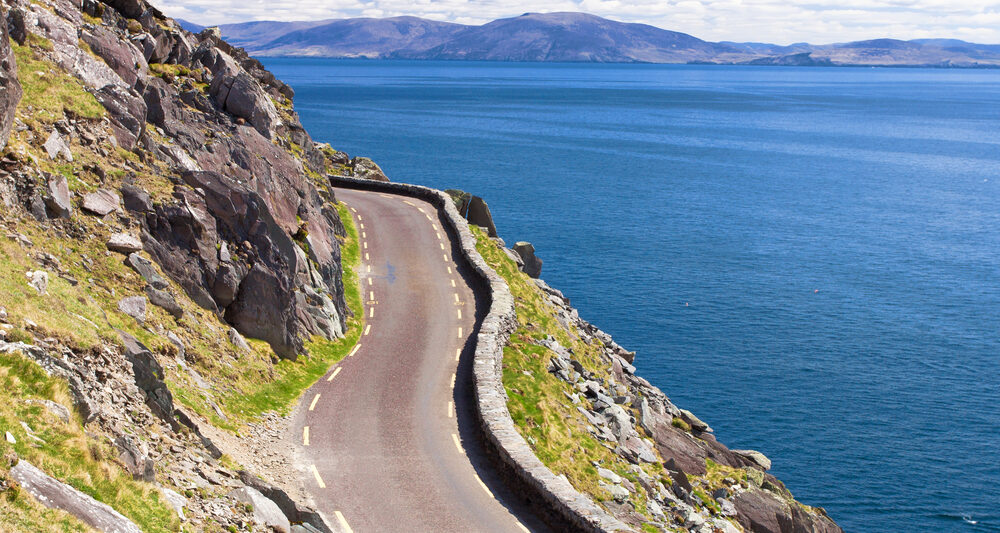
(756, 457)
(135, 457)
(265, 511)
(243, 97)
(57, 495)
(58, 199)
(55, 147)
(101, 202)
(149, 378)
(165, 301)
(478, 213)
(124, 243)
(145, 269)
(136, 199)
(127, 112)
(38, 280)
(10, 87)
(532, 264)
(134, 306)
(238, 340)
(121, 55)
(175, 500)
(365, 168)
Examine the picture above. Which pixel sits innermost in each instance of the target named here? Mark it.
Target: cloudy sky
(774, 21)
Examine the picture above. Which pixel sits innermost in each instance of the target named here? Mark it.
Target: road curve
(388, 439)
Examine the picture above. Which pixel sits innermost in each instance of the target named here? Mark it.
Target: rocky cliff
(170, 248)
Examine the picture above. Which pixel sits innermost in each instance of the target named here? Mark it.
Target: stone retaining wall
(552, 496)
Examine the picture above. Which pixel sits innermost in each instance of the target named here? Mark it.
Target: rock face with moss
(170, 265)
(225, 128)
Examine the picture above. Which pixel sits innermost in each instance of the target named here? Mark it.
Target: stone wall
(552, 496)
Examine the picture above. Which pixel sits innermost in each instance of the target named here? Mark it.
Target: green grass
(87, 463)
(48, 89)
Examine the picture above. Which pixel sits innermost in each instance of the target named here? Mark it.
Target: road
(388, 438)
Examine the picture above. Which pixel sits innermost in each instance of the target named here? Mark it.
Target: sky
(772, 21)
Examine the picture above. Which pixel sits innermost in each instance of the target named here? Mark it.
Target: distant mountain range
(577, 37)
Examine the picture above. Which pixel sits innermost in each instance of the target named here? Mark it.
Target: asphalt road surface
(388, 440)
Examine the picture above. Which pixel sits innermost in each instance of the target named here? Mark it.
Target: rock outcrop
(244, 171)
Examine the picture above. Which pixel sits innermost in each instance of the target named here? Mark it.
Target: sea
(807, 258)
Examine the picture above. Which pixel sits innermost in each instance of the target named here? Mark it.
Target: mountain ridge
(577, 37)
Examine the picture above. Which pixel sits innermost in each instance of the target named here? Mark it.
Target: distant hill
(577, 37)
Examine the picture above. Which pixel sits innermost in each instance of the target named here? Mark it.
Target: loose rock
(124, 243)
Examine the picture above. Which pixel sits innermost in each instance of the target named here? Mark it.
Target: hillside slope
(571, 36)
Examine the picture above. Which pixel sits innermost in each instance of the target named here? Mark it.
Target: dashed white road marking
(319, 480)
(445, 256)
(483, 485)
(337, 370)
(371, 295)
(355, 210)
(364, 235)
(371, 281)
(407, 202)
(458, 444)
(343, 522)
(460, 332)
(371, 312)
(451, 409)
(359, 216)
(439, 235)
(458, 353)
(362, 226)
(435, 226)
(354, 351)
(456, 298)
(384, 195)
(453, 380)
(313, 404)
(366, 245)
(442, 245)
(428, 217)
(368, 329)
(460, 314)
(421, 209)
(305, 436)
(453, 282)
(366, 256)
(449, 269)
(369, 268)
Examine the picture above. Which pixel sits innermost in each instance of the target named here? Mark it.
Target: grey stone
(38, 280)
(238, 340)
(55, 147)
(756, 457)
(365, 168)
(58, 200)
(10, 87)
(101, 202)
(133, 306)
(609, 475)
(56, 409)
(135, 457)
(144, 268)
(265, 511)
(164, 300)
(57, 495)
(176, 341)
(149, 378)
(532, 264)
(175, 500)
(696, 423)
(136, 199)
(124, 243)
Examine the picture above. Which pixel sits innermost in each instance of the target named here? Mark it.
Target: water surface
(809, 259)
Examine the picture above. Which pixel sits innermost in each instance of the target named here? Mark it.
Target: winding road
(388, 438)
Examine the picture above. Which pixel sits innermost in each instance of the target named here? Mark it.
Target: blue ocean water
(809, 259)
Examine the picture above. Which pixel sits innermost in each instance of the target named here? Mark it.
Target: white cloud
(776, 21)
